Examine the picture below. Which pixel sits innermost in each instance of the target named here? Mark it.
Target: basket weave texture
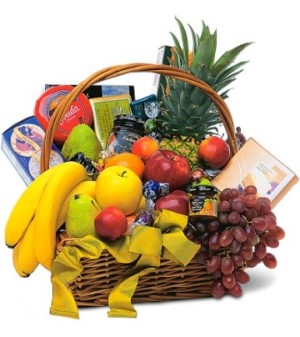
(170, 281)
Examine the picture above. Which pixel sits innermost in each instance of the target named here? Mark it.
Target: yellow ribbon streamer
(119, 299)
(150, 241)
(67, 266)
(146, 245)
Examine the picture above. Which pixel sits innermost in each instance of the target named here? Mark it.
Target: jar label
(203, 207)
(121, 142)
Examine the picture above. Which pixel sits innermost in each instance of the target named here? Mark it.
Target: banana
(69, 175)
(86, 187)
(15, 256)
(27, 259)
(24, 209)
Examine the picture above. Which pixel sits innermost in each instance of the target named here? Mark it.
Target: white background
(64, 42)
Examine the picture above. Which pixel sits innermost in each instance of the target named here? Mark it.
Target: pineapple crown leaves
(202, 63)
(193, 120)
(185, 109)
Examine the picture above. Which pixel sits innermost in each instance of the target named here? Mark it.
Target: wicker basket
(170, 281)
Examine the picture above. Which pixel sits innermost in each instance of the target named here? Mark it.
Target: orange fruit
(127, 159)
(144, 147)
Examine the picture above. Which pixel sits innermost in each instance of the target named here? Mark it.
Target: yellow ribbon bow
(146, 246)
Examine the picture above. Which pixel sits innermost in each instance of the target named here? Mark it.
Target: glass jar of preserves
(203, 199)
(126, 130)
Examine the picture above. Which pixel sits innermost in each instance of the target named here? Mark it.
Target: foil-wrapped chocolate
(143, 218)
(152, 190)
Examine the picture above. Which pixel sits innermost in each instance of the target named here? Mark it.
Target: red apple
(166, 166)
(111, 223)
(181, 194)
(176, 201)
(214, 151)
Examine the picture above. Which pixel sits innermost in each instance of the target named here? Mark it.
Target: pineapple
(187, 114)
(185, 146)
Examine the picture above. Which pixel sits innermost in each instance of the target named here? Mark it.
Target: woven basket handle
(114, 71)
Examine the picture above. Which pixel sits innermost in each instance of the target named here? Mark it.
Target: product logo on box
(27, 140)
(76, 111)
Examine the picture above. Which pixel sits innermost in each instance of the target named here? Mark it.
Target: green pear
(81, 212)
(82, 138)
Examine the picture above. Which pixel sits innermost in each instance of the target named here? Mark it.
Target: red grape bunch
(237, 239)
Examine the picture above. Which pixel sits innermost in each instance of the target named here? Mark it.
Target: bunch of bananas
(40, 211)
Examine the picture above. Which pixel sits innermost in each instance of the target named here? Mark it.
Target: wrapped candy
(143, 218)
(152, 190)
(89, 165)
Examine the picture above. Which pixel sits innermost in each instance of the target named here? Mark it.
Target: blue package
(146, 107)
(22, 144)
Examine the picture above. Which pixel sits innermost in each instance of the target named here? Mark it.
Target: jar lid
(203, 189)
(128, 120)
(79, 111)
